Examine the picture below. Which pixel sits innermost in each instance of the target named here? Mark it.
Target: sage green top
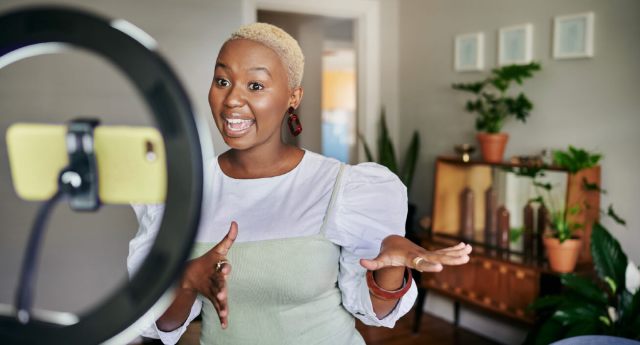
(282, 291)
(296, 232)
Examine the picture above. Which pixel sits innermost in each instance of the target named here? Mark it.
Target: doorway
(329, 108)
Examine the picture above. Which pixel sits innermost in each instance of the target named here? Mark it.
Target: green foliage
(492, 103)
(574, 159)
(611, 213)
(608, 257)
(515, 234)
(601, 306)
(387, 156)
(562, 228)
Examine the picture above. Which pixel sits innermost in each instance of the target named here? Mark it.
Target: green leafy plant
(387, 156)
(609, 304)
(573, 160)
(492, 103)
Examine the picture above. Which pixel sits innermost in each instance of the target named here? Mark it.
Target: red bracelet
(386, 294)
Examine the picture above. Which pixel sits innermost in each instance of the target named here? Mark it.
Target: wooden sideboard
(500, 281)
(494, 280)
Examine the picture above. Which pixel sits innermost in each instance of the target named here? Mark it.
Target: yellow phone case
(130, 160)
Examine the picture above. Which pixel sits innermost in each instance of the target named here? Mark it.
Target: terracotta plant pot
(562, 256)
(492, 146)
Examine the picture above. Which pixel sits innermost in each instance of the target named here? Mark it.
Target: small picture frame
(573, 36)
(515, 45)
(469, 52)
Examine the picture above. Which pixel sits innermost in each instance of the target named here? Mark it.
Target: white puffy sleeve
(371, 204)
(149, 219)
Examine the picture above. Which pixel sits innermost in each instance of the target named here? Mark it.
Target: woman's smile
(237, 126)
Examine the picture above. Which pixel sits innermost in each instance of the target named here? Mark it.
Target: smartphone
(131, 162)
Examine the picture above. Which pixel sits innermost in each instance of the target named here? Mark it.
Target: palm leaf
(608, 257)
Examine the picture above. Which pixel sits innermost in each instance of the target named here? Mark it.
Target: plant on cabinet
(494, 106)
(562, 241)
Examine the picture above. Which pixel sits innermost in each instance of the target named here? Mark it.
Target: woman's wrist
(386, 294)
(390, 278)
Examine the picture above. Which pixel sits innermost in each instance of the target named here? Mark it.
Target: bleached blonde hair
(280, 42)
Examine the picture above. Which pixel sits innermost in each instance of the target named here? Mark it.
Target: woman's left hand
(398, 251)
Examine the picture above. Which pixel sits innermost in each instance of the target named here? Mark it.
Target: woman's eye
(256, 86)
(222, 82)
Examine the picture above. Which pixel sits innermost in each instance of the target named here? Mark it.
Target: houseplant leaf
(582, 328)
(608, 257)
(629, 307)
(585, 288)
(550, 331)
(410, 160)
(572, 314)
(611, 213)
(546, 302)
(367, 150)
(386, 152)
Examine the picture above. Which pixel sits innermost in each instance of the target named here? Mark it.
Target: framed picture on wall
(573, 36)
(515, 45)
(469, 52)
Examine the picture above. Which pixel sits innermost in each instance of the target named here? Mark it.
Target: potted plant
(494, 106)
(608, 304)
(561, 242)
(387, 158)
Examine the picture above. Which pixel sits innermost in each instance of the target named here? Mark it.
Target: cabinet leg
(422, 296)
(456, 313)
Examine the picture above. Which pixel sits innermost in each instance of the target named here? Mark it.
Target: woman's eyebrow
(221, 65)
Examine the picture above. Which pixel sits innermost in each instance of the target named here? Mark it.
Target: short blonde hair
(280, 42)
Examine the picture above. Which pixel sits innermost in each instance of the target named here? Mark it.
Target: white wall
(84, 254)
(591, 103)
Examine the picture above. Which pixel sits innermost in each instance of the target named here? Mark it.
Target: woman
(313, 243)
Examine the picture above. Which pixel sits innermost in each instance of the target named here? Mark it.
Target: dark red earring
(295, 127)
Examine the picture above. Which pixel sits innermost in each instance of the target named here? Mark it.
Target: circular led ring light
(38, 30)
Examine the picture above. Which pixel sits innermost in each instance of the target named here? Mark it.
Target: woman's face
(250, 94)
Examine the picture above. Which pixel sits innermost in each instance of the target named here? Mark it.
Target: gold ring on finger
(220, 264)
(416, 261)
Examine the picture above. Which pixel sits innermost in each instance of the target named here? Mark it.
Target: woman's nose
(234, 97)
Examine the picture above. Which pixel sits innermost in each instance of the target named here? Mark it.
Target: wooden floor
(432, 331)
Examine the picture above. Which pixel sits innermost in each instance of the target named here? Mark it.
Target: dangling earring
(295, 127)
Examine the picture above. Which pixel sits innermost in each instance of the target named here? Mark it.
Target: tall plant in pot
(387, 158)
(608, 304)
(494, 106)
(561, 241)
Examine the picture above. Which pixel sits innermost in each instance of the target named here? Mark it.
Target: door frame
(366, 16)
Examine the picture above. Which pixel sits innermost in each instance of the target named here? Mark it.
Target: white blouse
(371, 204)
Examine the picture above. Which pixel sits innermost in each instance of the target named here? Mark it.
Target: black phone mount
(78, 183)
(79, 180)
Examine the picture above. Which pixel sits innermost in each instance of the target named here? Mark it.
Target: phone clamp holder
(79, 180)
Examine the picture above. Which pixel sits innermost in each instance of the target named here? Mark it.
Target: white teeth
(237, 125)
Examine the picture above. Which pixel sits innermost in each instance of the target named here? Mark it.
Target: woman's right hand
(202, 277)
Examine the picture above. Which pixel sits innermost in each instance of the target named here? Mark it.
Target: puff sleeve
(371, 204)
(149, 220)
